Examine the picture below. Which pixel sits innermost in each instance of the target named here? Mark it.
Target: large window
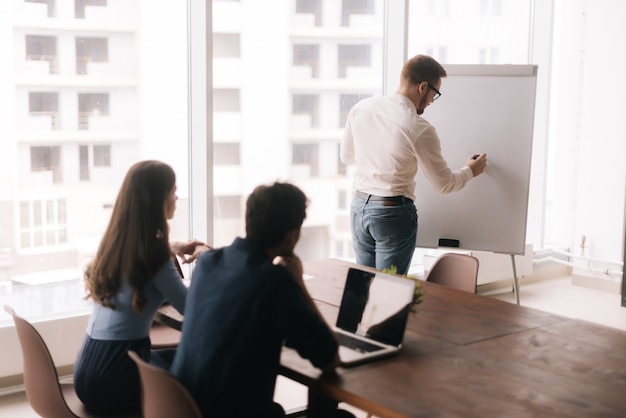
(471, 31)
(69, 134)
(296, 84)
(279, 90)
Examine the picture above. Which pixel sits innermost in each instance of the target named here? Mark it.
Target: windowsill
(44, 296)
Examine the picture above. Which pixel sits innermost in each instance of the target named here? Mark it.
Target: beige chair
(163, 396)
(47, 397)
(455, 270)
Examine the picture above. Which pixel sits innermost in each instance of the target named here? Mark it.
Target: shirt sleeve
(346, 148)
(170, 284)
(435, 168)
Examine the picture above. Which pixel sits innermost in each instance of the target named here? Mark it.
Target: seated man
(245, 300)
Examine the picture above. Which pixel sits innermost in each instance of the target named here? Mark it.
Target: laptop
(372, 316)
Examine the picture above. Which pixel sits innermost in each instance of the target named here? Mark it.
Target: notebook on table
(372, 315)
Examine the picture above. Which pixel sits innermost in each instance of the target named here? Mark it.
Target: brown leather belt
(387, 200)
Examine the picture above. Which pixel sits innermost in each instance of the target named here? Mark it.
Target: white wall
(63, 336)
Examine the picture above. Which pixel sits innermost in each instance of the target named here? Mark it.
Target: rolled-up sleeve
(346, 148)
(435, 168)
(171, 286)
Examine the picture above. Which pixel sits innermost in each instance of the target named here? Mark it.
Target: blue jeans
(383, 236)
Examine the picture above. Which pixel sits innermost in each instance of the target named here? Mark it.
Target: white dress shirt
(388, 140)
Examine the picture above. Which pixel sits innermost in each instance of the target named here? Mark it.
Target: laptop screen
(375, 305)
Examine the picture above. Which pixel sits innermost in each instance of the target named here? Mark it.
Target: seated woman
(133, 273)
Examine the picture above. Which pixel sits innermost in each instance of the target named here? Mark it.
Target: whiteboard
(483, 108)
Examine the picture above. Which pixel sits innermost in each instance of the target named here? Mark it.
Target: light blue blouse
(122, 323)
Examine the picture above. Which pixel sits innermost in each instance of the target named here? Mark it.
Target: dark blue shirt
(240, 309)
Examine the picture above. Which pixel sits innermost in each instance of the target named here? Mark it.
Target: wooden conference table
(467, 355)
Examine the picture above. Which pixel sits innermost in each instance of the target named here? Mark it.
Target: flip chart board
(483, 109)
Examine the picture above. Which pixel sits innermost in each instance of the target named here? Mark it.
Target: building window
(307, 104)
(353, 56)
(49, 3)
(91, 104)
(90, 50)
(83, 162)
(80, 5)
(43, 48)
(307, 55)
(102, 156)
(347, 102)
(226, 45)
(226, 100)
(350, 7)
(226, 153)
(228, 207)
(47, 159)
(313, 7)
(306, 154)
(45, 104)
(43, 223)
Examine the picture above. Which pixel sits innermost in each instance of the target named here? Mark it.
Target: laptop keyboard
(357, 344)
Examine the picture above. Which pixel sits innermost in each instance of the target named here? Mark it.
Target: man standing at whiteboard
(387, 140)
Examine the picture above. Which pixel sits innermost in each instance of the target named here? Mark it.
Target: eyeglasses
(437, 92)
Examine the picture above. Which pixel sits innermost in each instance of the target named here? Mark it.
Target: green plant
(418, 293)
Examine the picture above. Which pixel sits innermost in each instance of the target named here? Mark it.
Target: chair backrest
(163, 396)
(455, 270)
(41, 380)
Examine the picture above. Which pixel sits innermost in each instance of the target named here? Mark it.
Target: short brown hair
(422, 68)
(272, 211)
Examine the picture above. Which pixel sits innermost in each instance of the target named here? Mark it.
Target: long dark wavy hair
(135, 244)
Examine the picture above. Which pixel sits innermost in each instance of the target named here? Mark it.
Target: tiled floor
(557, 295)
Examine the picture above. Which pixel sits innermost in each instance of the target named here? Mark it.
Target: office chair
(47, 396)
(455, 270)
(163, 396)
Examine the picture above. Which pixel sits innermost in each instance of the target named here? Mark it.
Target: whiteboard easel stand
(515, 281)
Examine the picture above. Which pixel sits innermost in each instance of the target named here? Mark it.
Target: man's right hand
(477, 164)
(293, 264)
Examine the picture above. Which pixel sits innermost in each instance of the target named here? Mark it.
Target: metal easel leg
(515, 281)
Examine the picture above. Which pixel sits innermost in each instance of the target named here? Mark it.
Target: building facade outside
(91, 86)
